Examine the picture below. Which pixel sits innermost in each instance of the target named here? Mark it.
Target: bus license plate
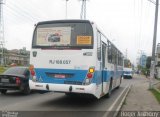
(4, 80)
(59, 76)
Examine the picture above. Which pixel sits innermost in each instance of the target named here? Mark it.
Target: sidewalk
(140, 98)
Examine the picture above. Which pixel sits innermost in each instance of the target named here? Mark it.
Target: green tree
(148, 62)
(127, 63)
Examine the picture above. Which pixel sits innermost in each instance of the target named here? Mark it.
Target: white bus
(127, 73)
(127, 69)
(73, 56)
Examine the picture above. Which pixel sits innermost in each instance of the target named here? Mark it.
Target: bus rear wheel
(108, 95)
(119, 83)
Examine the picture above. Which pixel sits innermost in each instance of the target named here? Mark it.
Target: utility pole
(83, 9)
(152, 70)
(126, 53)
(66, 8)
(140, 57)
(1, 33)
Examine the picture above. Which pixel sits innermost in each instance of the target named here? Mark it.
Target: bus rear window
(63, 35)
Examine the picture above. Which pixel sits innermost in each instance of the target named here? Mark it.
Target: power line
(154, 45)
(36, 9)
(19, 14)
(17, 8)
(152, 1)
(13, 15)
(2, 42)
(83, 9)
(66, 11)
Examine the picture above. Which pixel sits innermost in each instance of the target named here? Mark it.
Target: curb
(156, 83)
(114, 110)
(154, 87)
(122, 101)
(157, 90)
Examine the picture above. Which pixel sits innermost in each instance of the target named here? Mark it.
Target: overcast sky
(127, 23)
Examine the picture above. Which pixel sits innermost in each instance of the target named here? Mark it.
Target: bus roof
(64, 21)
(73, 21)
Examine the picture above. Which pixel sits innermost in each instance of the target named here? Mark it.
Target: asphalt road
(58, 104)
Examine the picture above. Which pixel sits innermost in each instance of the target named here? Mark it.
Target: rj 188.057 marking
(60, 61)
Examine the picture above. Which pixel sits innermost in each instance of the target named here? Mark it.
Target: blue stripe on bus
(78, 75)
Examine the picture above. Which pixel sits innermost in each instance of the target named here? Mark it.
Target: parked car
(15, 78)
(127, 73)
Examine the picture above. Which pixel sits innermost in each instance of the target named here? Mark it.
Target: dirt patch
(159, 87)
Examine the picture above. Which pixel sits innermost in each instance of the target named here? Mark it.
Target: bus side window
(99, 46)
(114, 52)
(103, 54)
(120, 59)
(109, 53)
(121, 63)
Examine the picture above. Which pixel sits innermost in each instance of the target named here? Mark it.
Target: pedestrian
(146, 73)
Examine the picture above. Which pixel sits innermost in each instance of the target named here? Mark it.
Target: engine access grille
(73, 82)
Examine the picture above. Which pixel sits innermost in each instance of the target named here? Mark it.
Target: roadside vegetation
(2, 69)
(125, 103)
(156, 94)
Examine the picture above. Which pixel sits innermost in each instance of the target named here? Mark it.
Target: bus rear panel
(63, 57)
(73, 56)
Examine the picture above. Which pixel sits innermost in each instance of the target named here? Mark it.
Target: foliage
(127, 63)
(2, 69)
(148, 62)
(156, 94)
(4, 50)
(145, 70)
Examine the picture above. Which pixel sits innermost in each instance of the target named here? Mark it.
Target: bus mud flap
(47, 87)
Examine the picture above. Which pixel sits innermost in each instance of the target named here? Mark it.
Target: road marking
(17, 105)
(112, 106)
(121, 103)
(123, 99)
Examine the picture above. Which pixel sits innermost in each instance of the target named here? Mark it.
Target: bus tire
(108, 95)
(119, 83)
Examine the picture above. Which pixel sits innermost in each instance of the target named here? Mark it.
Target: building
(157, 61)
(143, 60)
(18, 57)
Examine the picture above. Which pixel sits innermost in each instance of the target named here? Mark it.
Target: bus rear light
(33, 73)
(87, 81)
(91, 70)
(89, 75)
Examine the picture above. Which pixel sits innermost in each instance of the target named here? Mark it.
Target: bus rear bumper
(88, 89)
